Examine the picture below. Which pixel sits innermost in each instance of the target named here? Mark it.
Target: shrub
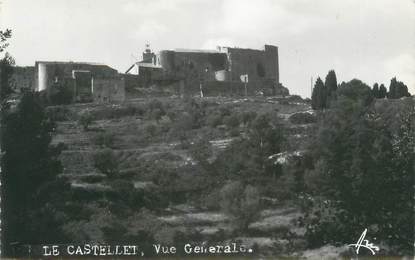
(85, 120)
(247, 117)
(151, 130)
(105, 139)
(302, 118)
(213, 120)
(242, 203)
(122, 191)
(210, 201)
(106, 162)
(232, 121)
(58, 113)
(156, 114)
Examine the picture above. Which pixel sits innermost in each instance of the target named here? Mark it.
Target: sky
(372, 40)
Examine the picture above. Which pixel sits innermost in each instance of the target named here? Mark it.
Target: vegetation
(319, 95)
(325, 94)
(233, 158)
(397, 89)
(85, 120)
(242, 203)
(6, 68)
(106, 162)
(356, 159)
(26, 136)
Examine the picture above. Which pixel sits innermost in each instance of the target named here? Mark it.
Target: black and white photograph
(207, 129)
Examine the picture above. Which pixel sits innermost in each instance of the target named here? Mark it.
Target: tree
(319, 95)
(375, 90)
(382, 91)
(4, 35)
(365, 173)
(240, 202)
(397, 89)
(248, 158)
(106, 162)
(85, 120)
(356, 91)
(331, 86)
(6, 67)
(29, 163)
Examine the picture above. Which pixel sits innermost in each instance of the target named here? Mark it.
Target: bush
(295, 98)
(247, 117)
(85, 120)
(210, 200)
(363, 174)
(232, 121)
(151, 130)
(58, 113)
(302, 118)
(61, 95)
(106, 162)
(242, 203)
(213, 120)
(122, 191)
(105, 139)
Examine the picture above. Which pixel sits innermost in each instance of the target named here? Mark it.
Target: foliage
(4, 35)
(232, 121)
(319, 95)
(62, 95)
(106, 162)
(85, 120)
(155, 110)
(397, 89)
(26, 135)
(59, 113)
(6, 71)
(105, 139)
(382, 91)
(356, 91)
(241, 202)
(248, 157)
(331, 87)
(247, 117)
(357, 159)
(302, 118)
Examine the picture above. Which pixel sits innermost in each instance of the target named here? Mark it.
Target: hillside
(153, 144)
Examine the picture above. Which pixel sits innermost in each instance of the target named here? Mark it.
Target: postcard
(198, 129)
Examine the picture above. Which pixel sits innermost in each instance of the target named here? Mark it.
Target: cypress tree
(319, 96)
(375, 90)
(331, 87)
(382, 91)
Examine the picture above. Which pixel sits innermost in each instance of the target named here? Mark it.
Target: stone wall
(181, 64)
(108, 90)
(49, 73)
(257, 64)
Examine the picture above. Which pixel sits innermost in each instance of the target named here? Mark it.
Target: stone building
(226, 69)
(84, 81)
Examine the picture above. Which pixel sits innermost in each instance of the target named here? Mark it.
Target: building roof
(71, 62)
(196, 50)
